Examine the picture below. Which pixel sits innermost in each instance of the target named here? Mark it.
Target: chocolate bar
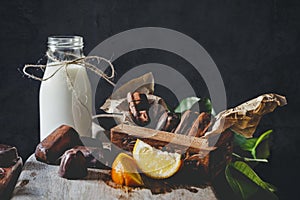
(168, 122)
(138, 108)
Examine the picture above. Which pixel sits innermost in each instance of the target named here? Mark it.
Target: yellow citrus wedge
(124, 171)
(155, 163)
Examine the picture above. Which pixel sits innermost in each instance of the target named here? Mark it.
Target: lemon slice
(124, 171)
(155, 163)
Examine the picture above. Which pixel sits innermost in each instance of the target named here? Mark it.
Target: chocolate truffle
(73, 165)
(54, 145)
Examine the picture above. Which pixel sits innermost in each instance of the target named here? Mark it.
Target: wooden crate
(204, 158)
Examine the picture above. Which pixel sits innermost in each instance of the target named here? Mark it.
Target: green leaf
(249, 145)
(241, 186)
(206, 106)
(250, 174)
(244, 143)
(261, 138)
(263, 150)
(186, 104)
(252, 144)
(244, 187)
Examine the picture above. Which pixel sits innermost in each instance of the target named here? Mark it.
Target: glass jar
(65, 93)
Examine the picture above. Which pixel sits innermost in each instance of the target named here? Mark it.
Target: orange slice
(155, 163)
(124, 171)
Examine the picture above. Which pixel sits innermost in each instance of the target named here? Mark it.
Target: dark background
(255, 45)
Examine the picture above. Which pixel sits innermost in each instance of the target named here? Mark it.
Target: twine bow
(83, 61)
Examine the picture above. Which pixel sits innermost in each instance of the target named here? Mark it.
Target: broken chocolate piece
(168, 122)
(187, 120)
(73, 165)
(54, 145)
(200, 125)
(138, 108)
(11, 167)
(194, 124)
(8, 155)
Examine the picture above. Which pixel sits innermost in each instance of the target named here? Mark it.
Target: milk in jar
(65, 97)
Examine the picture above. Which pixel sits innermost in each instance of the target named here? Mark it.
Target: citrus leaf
(263, 150)
(248, 172)
(245, 188)
(186, 104)
(244, 143)
(261, 138)
(252, 144)
(232, 181)
(241, 186)
(238, 139)
(249, 145)
(206, 106)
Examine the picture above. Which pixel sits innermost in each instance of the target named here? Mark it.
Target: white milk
(60, 104)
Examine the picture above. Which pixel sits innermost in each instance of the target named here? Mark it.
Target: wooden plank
(123, 135)
(41, 181)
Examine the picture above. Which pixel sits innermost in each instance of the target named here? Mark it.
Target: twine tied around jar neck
(84, 61)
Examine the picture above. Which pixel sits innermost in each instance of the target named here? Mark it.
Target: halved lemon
(155, 163)
(124, 171)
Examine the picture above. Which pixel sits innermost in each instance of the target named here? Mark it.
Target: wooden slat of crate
(124, 137)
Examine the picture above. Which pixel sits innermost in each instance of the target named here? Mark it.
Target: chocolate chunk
(54, 145)
(138, 108)
(73, 165)
(140, 101)
(187, 120)
(11, 167)
(200, 125)
(168, 122)
(8, 155)
(194, 124)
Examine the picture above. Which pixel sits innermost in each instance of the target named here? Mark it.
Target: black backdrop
(255, 45)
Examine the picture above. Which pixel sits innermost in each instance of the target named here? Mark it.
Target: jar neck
(64, 54)
(64, 48)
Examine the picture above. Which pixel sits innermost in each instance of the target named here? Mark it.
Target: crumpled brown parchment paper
(244, 118)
